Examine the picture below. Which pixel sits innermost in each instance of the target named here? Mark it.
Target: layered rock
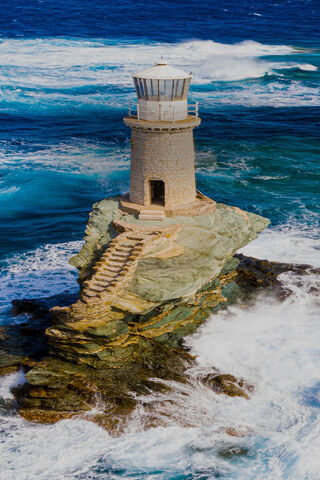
(134, 273)
(108, 395)
(143, 287)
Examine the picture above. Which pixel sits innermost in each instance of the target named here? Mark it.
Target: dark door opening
(157, 192)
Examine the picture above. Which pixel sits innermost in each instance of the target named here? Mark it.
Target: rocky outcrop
(143, 286)
(107, 392)
(229, 385)
(134, 279)
(182, 254)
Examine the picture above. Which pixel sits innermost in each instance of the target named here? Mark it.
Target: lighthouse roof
(161, 70)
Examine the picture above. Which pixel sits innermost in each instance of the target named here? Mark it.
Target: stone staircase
(115, 267)
(111, 273)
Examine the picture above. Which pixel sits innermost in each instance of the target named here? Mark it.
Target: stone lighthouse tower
(162, 150)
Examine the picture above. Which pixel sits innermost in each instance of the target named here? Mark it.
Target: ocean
(65, 84)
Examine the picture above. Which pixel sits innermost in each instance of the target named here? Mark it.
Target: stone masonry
(162, 152)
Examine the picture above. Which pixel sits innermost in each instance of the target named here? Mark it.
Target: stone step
(123, 249)
(107, 252)
(95, 288)
(122, 275)
(151, 216)
(137, 248)
(138, 245)
(98, 264)
(114, 266)
(119, 255)
(111, 268)
(110, 289)
(133, 253)
(114, 262)
(88, 293)
(106, 272)
(102, 284)
(136, 237)
(101, 277)
(128, 243)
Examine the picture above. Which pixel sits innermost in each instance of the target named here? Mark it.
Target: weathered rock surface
(256, 274)
(184, 253)
(143, 287)
(58, 388)
(228, 385)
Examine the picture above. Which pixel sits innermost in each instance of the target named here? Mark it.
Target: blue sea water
(64, 87)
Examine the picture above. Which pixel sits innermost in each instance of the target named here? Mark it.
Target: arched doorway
(157, 192)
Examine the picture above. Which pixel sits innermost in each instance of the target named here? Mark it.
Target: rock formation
(133, 273)
(144, 285)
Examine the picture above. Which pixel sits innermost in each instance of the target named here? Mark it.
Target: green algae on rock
(60, 389)
(176, 264)
(144, 285)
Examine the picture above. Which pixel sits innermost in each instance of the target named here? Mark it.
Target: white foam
(9, 190)
(289, 243)
(77, 156)
(44, 65)
(59, 53)
(272, 345)
(308, 67)
(38, 273)
(7, 382)
(49, 452)
(42, 61)
(274, 94)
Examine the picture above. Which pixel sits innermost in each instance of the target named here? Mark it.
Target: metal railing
(192, 110)
(130, 112)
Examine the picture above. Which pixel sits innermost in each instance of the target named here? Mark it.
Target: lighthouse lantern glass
(163, 90)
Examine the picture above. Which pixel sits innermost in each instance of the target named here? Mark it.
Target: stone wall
(163, 155)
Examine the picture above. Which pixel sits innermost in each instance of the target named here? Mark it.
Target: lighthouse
(162, 176)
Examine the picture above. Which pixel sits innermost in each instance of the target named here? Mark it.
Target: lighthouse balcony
(162, 126)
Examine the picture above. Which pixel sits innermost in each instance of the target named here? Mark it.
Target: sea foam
(51, 71)
(287, 243)
(271, 344)
(38, 273)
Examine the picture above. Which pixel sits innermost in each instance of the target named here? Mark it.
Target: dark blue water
(64, 88)
(295, 21)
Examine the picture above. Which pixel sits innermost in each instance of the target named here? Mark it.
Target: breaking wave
(272, 345)
(77, 156)
(38, 273)
(287, 243)
(50, 74)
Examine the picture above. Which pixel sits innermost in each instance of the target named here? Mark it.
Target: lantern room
(162, 92)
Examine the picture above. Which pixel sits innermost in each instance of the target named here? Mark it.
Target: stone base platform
(202, 206)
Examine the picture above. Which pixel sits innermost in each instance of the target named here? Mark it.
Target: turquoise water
(65, 85)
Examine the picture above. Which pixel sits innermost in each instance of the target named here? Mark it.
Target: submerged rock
(233, 451)
(228, 385)
(254, 274)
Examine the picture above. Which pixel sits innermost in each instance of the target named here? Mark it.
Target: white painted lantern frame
(162, 92)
